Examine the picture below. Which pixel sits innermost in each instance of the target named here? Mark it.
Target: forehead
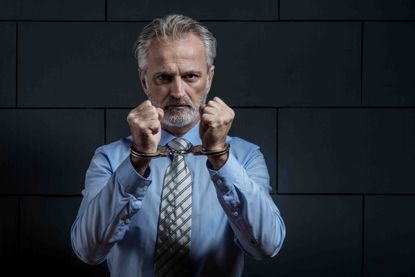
(186, 51)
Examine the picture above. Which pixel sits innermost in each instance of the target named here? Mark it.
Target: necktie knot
(179, 144)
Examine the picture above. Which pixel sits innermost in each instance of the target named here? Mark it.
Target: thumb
(160, 113)
(201, 110)
(202, 125)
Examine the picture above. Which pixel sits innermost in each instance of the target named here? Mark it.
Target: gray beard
(177, 117)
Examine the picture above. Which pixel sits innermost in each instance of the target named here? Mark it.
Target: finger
(133, 114)
(223, 104)
(212, 103)
(144, 104)
(210, 110)
(144, 114)
(142, 107)
(208, 119)
(220, 101)
(154, 127)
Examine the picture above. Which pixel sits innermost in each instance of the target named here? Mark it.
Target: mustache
(175, 102)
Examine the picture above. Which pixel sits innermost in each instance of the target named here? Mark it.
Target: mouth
(177, 107)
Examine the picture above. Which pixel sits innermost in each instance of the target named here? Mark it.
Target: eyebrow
(193, 72)
(184, 73)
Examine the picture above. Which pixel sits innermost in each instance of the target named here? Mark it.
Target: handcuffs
(164, 151)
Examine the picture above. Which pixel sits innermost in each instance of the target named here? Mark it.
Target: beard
(179, 117)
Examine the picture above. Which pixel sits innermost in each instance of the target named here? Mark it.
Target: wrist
(149, 149)
(214, 147)
(140, 164)
(144, 145)
(218, 161)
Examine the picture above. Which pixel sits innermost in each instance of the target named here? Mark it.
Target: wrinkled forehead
(186, 50)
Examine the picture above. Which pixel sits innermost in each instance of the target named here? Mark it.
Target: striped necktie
(175, 221)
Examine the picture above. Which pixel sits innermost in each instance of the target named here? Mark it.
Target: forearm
(259, 228)
(254, 218)
(104, 217)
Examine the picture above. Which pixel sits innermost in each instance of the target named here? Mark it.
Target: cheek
(196, 91)
(158, 95)
(200, 86)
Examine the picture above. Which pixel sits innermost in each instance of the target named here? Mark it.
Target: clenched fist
(145, 128)
(215, 122)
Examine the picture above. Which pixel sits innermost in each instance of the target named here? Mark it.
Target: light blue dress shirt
(232, 210)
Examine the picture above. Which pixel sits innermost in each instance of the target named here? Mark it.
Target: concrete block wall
(326, 87)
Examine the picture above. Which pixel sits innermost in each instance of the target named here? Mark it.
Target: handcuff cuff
(164, 151)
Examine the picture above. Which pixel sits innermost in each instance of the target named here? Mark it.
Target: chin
(178, 122)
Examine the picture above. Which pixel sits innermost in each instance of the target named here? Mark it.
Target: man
(156, 210)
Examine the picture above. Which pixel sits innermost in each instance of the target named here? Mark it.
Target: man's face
(176, 79)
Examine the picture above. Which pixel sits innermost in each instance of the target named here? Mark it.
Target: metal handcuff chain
(164, 151)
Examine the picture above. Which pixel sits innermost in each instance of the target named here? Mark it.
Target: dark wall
(326, 87)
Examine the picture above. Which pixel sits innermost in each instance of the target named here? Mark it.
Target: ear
(143, 81)
(211, 73)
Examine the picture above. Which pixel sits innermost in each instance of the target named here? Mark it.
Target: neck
(178, 131)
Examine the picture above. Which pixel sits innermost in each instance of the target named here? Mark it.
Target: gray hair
(173, 27)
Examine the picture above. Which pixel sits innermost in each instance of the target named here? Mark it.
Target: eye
(163, 78)
(191, 77)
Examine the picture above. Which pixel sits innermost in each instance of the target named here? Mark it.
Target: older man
(179, 197)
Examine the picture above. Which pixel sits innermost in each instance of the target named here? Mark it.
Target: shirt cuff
(227, 175)
(130, 180)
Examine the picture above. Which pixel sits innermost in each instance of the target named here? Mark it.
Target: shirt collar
(192, 136)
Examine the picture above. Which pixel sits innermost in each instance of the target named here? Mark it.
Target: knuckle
(232, 112)
(206, 118)
(131, 117)
(140, 124)
(146, 103)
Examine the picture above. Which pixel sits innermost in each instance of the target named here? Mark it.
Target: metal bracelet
(164, 151)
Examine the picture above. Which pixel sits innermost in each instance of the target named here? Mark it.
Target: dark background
(326, 87)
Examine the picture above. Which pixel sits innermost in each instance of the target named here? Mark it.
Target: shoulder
(115, 146)
(115, 152)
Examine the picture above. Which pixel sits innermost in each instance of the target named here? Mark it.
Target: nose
(177, 88)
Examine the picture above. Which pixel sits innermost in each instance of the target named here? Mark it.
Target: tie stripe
(175, 247)
(173, 230)
(181, 203)
(179, 261)
(169, 169)
(174, 227)
(172, 190)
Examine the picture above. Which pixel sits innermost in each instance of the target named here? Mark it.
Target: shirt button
(219, 181)
(235, 213)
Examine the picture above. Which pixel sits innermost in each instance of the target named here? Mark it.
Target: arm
(242, 188)
(110, 199)
(243, 192)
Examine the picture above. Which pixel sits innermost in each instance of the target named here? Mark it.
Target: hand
(145, 128)
(215, 122)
